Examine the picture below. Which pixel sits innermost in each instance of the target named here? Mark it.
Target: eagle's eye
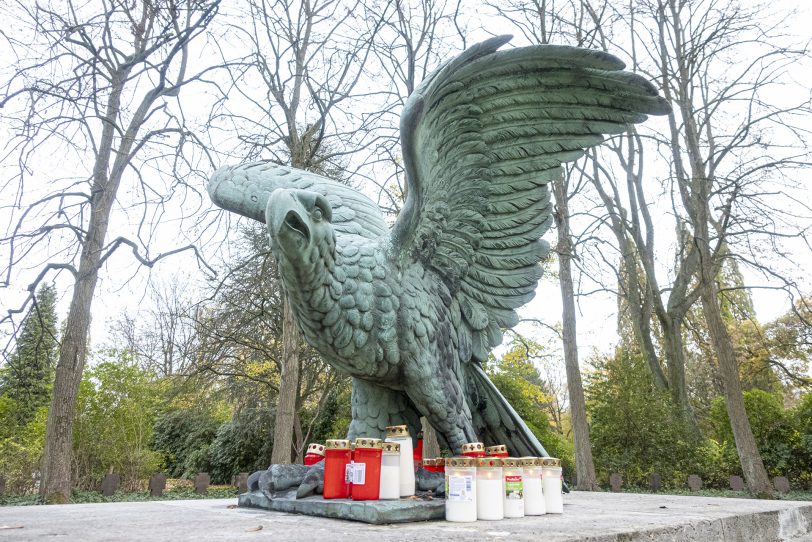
(316, 215)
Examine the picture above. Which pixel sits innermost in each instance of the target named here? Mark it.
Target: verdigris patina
(411, 311)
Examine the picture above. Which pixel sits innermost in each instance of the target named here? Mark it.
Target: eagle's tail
(495, 421)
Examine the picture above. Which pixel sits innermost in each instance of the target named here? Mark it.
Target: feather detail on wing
(481, 138)
(245, 189)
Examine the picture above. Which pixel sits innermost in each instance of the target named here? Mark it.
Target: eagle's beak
(288, 220)
(293, 220)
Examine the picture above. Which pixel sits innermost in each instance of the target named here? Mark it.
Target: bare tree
(543, 23)
(94, 88)
(732, 149)
(162, 337)
(294, 91)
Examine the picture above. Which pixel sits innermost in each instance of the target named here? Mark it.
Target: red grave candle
(366, 475)
(417, 453)
(500, 450)
(337, 457)
(315, 453)
(473, 449)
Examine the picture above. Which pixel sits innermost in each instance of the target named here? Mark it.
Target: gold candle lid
(472, 447)
(511, 462)
(550, 462)
(391, 447)
(460, 462)
(368, 443)
(488, 462)
(338, 444)
(397, 431)
(530, 461)
(498, 449)
(315, 448)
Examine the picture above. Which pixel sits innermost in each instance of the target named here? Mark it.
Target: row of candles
(494, 488)
(369, 468)
(483, 484)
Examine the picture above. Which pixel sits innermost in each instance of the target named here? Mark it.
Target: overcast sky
(597, 313)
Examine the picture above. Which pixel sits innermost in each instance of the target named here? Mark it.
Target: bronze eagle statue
(411, 311)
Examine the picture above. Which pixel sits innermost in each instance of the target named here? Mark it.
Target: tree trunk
(431, 446)
(288, 390)
(675, 356)
(56, 460)
(752, 466)
(584, 467)
(55, 486)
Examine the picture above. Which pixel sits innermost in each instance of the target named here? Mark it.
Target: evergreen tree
(27, 378)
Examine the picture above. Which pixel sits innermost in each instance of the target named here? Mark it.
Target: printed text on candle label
(359, 473)
(460, 488)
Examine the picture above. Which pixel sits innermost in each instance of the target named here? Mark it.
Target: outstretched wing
(245, 190)
(481, 139)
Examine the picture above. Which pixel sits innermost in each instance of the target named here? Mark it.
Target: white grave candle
(460, 489)
(551, 484)
(534, 504)
(514, 491)
(390, 471)
(400, 434)
(489, 492)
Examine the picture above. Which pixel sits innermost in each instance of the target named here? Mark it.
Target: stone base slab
(375, 512)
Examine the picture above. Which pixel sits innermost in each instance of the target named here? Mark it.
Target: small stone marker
(242, 482)
(655, 482)
(157, 483)
(781, 484)
(694, 482)
(736, 483)
(202, 481)
(616, 481)
(110, 484)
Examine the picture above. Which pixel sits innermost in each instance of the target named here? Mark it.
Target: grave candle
(460, 489)
(337, 456)
(500, 450)
(390, 471)
(514, 497)
(439, 464)
(417, 455)
(534, 504)
(366, 469)
(489, 493)
(315, 453)
(473, 449)
(551, 483)
(400, 434)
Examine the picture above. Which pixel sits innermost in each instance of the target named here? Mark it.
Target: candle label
(460, 488)
(359, 473)
(348, 473)
(513, 487)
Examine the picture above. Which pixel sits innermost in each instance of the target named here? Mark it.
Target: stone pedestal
(375, 512)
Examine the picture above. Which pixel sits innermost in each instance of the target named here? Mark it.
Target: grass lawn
(175, 494)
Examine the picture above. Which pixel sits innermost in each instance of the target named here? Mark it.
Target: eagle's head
(299, 225)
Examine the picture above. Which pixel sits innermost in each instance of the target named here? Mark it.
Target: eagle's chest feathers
(348, 309)
(365, 316)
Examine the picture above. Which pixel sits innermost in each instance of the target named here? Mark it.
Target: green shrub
(777, 438)
(243, 444)
(635, 428)
(115, 413)
(182, 438)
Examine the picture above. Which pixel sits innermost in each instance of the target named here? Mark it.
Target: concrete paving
(593, 517)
